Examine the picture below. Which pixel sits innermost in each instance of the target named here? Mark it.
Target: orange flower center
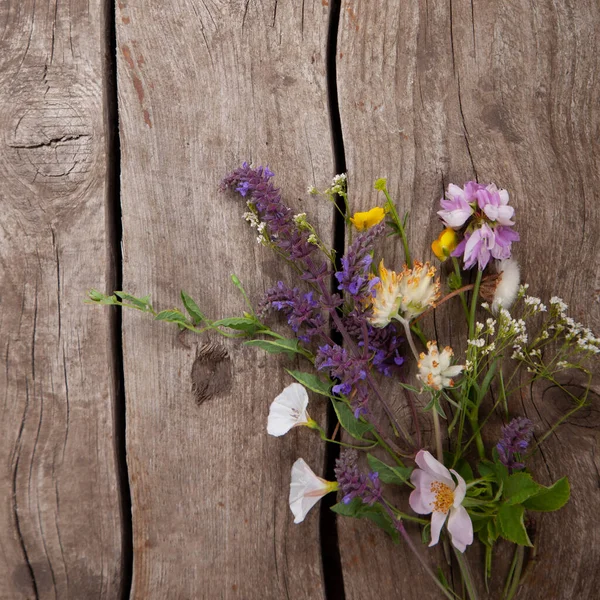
(444, 497)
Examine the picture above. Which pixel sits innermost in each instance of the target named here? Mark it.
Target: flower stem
(474, 304)
(514, 576)
(465, 572)
(409, 337)
(438, 435)
(399, 526)
(399, 225)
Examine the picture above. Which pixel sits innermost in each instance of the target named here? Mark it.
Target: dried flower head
(419, 290)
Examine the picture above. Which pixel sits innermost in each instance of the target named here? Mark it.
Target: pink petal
(436, 469)
(437, 522)
(460, 528)
(421, 498)
(460, 491)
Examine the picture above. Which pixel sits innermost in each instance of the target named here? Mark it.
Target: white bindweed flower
(306, 489)
(508, 285)
(434, 367)
(436, 492)
(289, 410)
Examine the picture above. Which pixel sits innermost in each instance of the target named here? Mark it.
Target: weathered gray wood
(432, 93)
(59, 519)
(202, 87)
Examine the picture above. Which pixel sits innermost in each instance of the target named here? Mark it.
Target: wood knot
(211, 372)
(49, 145)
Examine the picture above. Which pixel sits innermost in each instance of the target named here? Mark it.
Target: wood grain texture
(432, 93)
(204, 85)
(60, 518)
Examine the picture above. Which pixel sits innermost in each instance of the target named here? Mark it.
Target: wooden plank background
(429, 93)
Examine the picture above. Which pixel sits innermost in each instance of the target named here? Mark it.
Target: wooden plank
(60, 514)
(432, 93)
(202, 87)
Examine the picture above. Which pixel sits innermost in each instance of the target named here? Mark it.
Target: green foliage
(395, 475)
(550, 499)
(172, 316)
(312, 382)
(511, 523)
(249, 325)
(376, 513)
(277, 346)
(349, 422)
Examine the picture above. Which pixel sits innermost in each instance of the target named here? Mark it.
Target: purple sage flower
(354, 484)
(355, 276)
(255, 185)
(301, 309)
(515, 441)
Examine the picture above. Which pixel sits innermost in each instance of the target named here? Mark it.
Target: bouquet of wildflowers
(368, 328)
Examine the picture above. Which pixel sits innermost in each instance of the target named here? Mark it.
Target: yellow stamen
(444, 497)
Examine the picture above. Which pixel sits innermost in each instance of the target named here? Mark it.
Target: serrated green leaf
(518, 487)
(551, 498)
(312, 382)
(172, 316)
(248, 325)
(192, 308)
(396, 475)
(376, 513)
(497, 470)
(141, 303)
(512, 527)
(289, 347)
(349, 422)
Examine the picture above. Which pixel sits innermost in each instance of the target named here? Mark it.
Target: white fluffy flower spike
(306, 489)
(508, 286)
(434, 367)
(436, 492)
(289, 410)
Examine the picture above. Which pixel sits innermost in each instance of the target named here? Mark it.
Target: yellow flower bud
(445, 244)
(366, 220)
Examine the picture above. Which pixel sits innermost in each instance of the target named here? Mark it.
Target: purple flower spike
(353, 483)
(515, 441)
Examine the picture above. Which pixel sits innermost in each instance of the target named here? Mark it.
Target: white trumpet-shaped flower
(436, 493)
(306, 489)
(289, 410)
(435, 370)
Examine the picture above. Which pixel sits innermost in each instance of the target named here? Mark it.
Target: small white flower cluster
(257, 224)
(478, 343)
(339, 183)
(535, 304)
(312, 190)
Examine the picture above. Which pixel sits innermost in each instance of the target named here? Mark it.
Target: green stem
(461, 295)
(514, 575)
(396, 219)
(438, 436)
(474, 305)
(465, 572)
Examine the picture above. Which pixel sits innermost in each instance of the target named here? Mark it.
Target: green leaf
(376, 513)
(463, 468)
(496, 470)
(512, 527)
(172, 316)
(100, 298)
(192, 308)
(518, 487)
(246, 324)
(349, 422)
(140, 303)
(290, 347)
(396, 475)
(551, 498)
(312, 382)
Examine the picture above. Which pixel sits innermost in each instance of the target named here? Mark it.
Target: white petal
(503, 196)
(460, 528)
(306, 489)
(454, 190)
(437, 522)
(453, 371)
(461, 489)
(436, 469)
(288, 410)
